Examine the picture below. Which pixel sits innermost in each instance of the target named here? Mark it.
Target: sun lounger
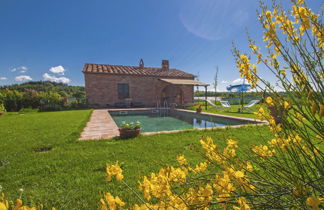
(214, 105)
(251, 104)
(225, 104)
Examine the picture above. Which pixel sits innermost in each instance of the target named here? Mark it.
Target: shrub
(12, 100)
(51, 101)
(31, 98)
(47, 96)
(28, 110)
(285, 172)
(2, 108)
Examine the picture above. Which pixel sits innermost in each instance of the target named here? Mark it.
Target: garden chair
(250, 105)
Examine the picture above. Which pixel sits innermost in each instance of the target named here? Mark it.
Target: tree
(31, 98)
(12, 100)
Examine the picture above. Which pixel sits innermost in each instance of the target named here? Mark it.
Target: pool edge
(255, 122)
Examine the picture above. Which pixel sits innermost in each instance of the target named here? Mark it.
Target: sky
(52, 40)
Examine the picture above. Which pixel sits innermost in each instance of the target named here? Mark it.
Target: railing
(158, 104)
(166, 108)
(162, 109)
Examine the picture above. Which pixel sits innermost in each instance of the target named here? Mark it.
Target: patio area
(100, 126)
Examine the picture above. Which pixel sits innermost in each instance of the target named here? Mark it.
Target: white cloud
(224, 81)
(3, 78)
(239, 81)
(23, 78)
(57, 70)
(21, 69)
(52, 78)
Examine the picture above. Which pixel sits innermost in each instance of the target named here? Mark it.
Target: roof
(135, 70)
(184, 82)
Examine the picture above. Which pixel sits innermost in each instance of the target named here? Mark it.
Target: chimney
(165, 64)
(141, 64)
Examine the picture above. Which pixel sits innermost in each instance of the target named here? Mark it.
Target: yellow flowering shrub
(283, 172)
(6, 205)
(114, 170)
(111, 202)
(263, 151)
(179, 188)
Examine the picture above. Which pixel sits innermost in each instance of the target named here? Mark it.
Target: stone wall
(101, 90)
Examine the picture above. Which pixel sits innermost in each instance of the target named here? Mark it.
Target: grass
(72, 174)
(231, 112)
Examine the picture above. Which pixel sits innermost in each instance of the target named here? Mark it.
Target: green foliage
(27, 110)
(51, 101)
(47, 96)
(2, 108)
(46, 86)
(31, 98)
(12, 100)
(131, 125)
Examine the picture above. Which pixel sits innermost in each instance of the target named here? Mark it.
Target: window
(123, 90)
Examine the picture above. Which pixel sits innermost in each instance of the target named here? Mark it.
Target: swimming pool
(168, 120)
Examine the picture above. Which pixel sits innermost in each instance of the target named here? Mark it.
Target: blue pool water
(167, 120)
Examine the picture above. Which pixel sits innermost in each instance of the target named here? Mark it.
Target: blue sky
(51, 40)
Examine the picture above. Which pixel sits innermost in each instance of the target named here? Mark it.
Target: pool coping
(200, 129)
(225, 116)
(256, 122)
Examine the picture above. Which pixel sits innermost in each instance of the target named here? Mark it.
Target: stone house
(115, 85)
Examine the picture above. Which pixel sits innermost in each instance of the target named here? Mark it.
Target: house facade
(112, 85)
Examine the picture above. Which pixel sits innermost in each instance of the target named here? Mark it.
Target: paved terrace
(100, 126)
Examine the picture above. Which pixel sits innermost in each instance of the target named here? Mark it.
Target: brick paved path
(100, 126)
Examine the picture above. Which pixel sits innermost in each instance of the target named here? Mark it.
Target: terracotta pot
(276, 113)
(128, 133)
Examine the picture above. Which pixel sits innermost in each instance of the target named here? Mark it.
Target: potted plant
(129, 130)
(199, 109)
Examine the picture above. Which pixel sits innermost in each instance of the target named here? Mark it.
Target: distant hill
(46, 86)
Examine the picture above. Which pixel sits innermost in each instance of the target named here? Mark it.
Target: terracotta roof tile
(135, 70)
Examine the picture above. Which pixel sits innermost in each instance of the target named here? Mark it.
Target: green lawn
(72, 174)
(231, 112)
